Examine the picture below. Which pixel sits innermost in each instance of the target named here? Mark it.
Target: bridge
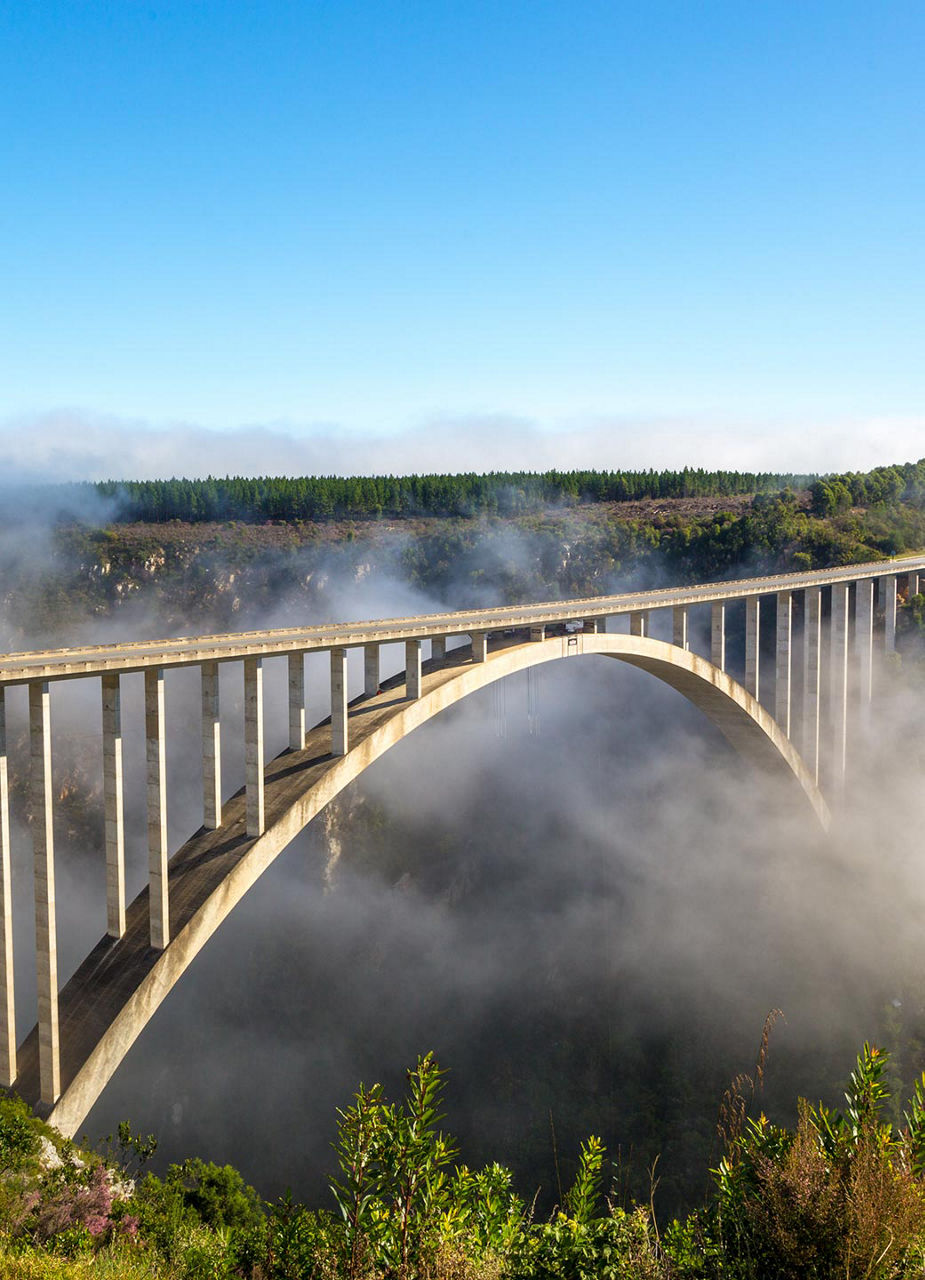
(829, 630)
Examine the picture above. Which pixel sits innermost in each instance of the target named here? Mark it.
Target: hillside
(206, 574)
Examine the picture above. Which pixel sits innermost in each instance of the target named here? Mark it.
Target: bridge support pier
(43, 845)
(339, 731)
(480, 646)
(718, 634)
(839, 658)
(812, 647)
(296, 687)
(538, 633)
(156, 758)
(782, 662)
(864, 640)
(7, 988)
(596, 626)
(413, 668)
(253, 746)
(752, 638)
(639, 623)
(438, 648)
(113, 805)
(912, 586)
(370, 670)
(679, 626)
(211, 748)
(888, 600)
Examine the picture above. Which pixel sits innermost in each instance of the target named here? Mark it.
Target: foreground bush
(840, 1197)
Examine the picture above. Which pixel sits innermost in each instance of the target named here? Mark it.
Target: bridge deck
(62, 664)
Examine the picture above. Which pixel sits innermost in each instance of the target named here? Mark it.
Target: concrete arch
(114, 993)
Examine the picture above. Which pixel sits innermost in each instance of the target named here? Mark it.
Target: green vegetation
(506, 493)
(840, 1196)
(214, 576)
(498, 493)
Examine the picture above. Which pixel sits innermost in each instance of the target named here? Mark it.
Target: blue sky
(659, 232)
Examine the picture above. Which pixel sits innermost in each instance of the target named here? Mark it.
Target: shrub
(840, 1196)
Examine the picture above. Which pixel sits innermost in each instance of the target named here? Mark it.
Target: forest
(468, 495)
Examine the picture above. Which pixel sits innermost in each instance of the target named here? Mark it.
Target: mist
(73, 443)
(569, 888)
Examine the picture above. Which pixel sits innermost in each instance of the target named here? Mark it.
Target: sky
(428, 235)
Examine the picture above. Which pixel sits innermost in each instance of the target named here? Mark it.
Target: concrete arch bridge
(792, 718)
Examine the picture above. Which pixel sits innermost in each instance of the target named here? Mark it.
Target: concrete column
(253, 746)
(370, 670)
(211, 749)
(888, 601)
(839, 677)
(812, 645)
(339, 731)
(296, 701)
(156, 754)
(113, 807)
(43, 845)
(864, 640)
(912, 586)
(413, 668)
(538, 633)
(597, 626)
(782, 660)
(718, 634)
(480, 646)
(679, 626)
(639, 623)
(438, 648)
(7, 985)
(752, 645)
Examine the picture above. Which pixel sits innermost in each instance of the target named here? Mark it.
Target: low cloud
(72, 444)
